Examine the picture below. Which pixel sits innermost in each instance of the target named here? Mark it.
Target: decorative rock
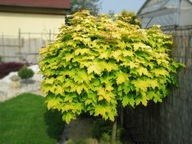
(15, 81)
(15, 78)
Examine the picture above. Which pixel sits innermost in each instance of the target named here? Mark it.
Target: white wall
(13, 48)
(10, 23)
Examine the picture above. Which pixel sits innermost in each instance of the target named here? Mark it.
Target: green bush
(105, 138)
(25, 73)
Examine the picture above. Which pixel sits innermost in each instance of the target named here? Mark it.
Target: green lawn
(25, 120)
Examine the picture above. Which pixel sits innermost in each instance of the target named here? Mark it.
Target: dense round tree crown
(97, 63)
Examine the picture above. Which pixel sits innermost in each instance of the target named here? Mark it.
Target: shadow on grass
(55, 124)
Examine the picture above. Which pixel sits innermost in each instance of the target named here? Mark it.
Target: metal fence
(23, 47)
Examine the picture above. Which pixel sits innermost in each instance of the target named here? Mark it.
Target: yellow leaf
(140, 45)
(142, 70)
(100, 98)
(125, 101)
(100, 110)
(144, 98)
(101, 91)
(43, 50)
(111, 115)
(68, 98)
(59, 90)
(81, 51)
(153, 83)
(140, 85)
(121, 78)
(132, 65)
(137, 101)
(68, 116)
(71, 43)
(104, 55)
(104, 95)
(126, 88)
(52, 88)
(79, 89)
(108, 87)
(116, 54)
(108, 96)
(53, 102)
(122, 44)
(160, 71)
(49, 81)
(128, 99)
(94, 68)
(68, 57)
(157, 97)
(127, 53)
(88, 101)
(150, 95)
(111, 66)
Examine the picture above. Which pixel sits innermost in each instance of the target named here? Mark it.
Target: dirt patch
(79, 131)
(80, 128)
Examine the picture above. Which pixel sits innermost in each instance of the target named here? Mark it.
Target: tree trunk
(114, 132)
(122, 116)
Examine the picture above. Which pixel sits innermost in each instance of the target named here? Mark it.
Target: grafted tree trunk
(114, 132)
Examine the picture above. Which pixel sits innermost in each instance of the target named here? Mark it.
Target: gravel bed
(8, 89)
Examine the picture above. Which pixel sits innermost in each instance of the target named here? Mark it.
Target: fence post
(19, 46)
(49, 36)
(3, 51)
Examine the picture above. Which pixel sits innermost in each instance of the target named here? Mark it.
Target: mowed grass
(25, 120)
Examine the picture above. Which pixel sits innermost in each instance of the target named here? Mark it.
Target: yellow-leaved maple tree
(99, 62)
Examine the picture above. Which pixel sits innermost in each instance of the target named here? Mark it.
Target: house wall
(22, 35)
(10, 23)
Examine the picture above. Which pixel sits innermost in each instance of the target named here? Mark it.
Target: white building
(32, 15)
(28, 25)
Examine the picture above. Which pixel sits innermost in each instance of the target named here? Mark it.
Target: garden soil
(80, 129)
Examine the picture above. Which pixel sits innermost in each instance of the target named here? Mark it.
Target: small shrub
(7, 67)
(105, 138)
(25, 73)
